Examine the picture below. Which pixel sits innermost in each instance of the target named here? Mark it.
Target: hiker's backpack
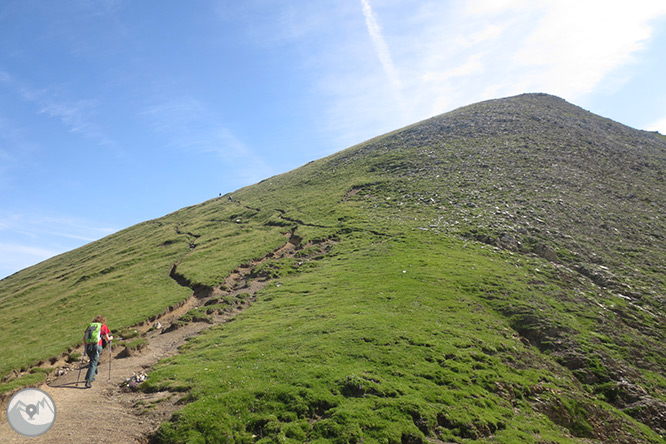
(93, 333)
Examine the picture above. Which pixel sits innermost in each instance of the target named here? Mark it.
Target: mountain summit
(493, 274)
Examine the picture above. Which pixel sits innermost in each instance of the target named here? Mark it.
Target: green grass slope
(388, 340)
(497, 276)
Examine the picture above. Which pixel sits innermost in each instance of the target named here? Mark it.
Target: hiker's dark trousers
(93, 351)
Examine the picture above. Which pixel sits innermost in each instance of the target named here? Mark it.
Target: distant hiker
(94, 337)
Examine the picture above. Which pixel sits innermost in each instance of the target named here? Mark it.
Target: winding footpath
(107, 412)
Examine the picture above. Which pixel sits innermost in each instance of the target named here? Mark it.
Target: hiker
(96, 334)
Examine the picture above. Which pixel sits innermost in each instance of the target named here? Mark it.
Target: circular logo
(31, 412)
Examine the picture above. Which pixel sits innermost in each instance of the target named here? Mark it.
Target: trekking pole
(110, 342)
(83, 355)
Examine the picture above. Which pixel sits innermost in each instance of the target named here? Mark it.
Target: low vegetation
(384, 341)
(495, 275)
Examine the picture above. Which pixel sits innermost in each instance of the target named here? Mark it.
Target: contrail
(380, 45)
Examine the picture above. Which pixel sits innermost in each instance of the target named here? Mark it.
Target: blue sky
(113, 112)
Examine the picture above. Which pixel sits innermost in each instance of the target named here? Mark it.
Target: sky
(114, 112)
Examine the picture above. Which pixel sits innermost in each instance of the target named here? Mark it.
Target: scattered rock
(133, 382)
(508, 242)
(546, 252)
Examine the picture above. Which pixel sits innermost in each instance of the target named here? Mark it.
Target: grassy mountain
(493, 274)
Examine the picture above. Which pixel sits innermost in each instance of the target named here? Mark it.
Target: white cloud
(11, 141)
(274, 24)
(174, 114)
(659, 125)
(473, 65)
(379, 43)
(192, 127)
(28, 238)
(32, 253)
(15, 257)
(75, 115)
(575, 44)
(241, 159)
(493, 7)
(36, 225)
(449, 54)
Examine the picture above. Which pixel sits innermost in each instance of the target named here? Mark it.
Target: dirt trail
(108, 413)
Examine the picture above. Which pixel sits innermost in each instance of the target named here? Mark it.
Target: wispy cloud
(75, 115)
(194, 129)
(16, 148)
(27, 238)
(173, 115)
(450, 54)
(31, 253)
(566, 48)
(379, 43)
(592, 40)
(35, 225)
(659, 125)
(15, 257)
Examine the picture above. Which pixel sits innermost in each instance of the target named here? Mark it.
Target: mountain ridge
(572, 199)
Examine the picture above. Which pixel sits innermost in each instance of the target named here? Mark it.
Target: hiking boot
(88, 384)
